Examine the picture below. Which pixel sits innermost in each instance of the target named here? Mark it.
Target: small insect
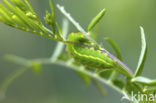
(87, 53)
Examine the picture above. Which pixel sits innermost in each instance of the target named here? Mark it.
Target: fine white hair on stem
(75, 23)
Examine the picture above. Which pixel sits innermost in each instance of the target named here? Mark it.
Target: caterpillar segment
(86, 53)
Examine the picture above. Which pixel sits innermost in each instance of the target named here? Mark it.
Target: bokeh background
(57, 84)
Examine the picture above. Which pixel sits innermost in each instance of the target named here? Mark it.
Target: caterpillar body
(86, 53)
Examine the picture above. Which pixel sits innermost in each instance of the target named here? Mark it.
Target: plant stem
(70, 66)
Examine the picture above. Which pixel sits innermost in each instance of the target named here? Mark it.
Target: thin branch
(76, 24)
(69, 65)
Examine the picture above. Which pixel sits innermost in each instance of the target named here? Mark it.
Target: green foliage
(144, 81)
(53, 23)
(92, 62)
(20, 15)
(142, 54)
(115, 47)
(96, 20)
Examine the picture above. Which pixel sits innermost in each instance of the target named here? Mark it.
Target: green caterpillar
(87, 53)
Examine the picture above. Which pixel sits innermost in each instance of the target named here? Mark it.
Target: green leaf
(32, 24)
(6, 14)
(5, 10)
(19, 13)
(28, 21)
(96, 20)
(59, 29)
(31, 12)
(115, 47)
(20, 5)
(143, 55)
(29, 6)
(144, 81)
(54, 23)
(53, 16)
(18, 21)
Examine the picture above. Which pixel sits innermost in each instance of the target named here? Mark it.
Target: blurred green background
(59, 85)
